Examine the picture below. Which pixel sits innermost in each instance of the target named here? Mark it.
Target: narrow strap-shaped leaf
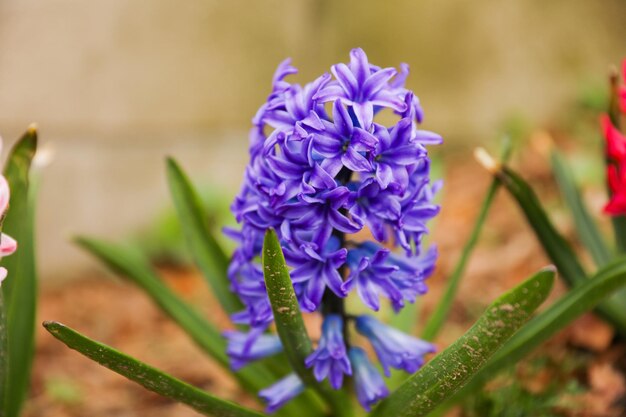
(440, 378)
(553, 243)
(289, 322)
(4, 352)
(147, 376)
(560, 314)
(585, 226)
(20, 287)
(253, 377)
(438, 317)
(206, 251)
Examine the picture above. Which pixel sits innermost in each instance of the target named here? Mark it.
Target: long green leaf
(440, 378)
(289, 322)
(555, 246)
(206, 251)
(206, 335)
(147, 376)
(585, 226)
(560, 314)
(4, 352)
(20, 287)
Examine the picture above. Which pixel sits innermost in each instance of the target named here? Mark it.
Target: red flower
(616, 158)
(616, 167)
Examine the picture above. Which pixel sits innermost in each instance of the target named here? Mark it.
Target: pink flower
(8, 245)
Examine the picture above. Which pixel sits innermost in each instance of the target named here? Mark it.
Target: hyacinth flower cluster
(8, 245)
(615, 147)
(321, 170)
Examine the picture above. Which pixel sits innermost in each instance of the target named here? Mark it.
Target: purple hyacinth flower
(297, 107)
(341, 144)
(417, 209)
(369, 384)
(299, 172)
(316, 269)
(330, 358)
(281, 392)
(394, 348)
(396, 151)
(413, 272)
(321, 212)
(317, 176)
(362, 86)
(246, 347)
(371, 274)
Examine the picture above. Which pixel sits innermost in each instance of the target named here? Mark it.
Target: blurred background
(117, 85)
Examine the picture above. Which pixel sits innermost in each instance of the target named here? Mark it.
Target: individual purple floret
(281, 392)
(369, 384)
(375, 271)
(246, 347)
(362, 86)
(323, 168)
(394, 348)
(330, 359)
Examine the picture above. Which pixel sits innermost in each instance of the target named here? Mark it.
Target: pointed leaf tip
(150, 378)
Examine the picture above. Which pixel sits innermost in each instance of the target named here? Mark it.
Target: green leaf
(564, 311)
(438, 317)
(20, 287)
(555, 246)
(206, 335)
(289, 322)
(147, 376)
(585, 226)
(4, 352)
(207, 253)
(440, 378)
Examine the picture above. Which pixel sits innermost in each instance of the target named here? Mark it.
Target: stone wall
(115, 85)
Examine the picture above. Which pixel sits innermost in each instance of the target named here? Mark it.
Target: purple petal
(377, 82)
(331, 92)
(403, 155)
(346, 79)
(342, 223)
(389, 99)
(334, 281)
(359, 65)
(354, 161)
(368, 294)
(321, 179)
(362, 140)
(428, 138)
(364, 113)
(342, 119)
(384, 175)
